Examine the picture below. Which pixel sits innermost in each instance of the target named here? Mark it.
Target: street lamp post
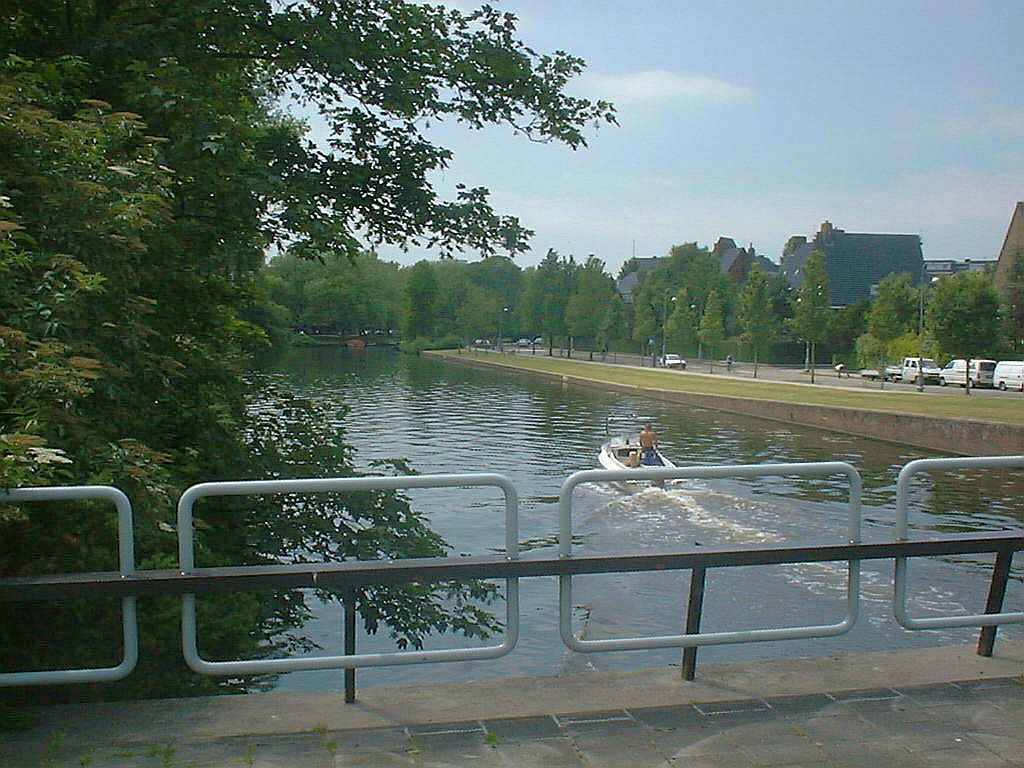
(501, 319)
(664, 319)
(920, 333)
(700, 343)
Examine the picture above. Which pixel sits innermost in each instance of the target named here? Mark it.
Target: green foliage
(811, 307)
(541, 308)
(420, 293)
(846, 325)
(963, 315)
(420, 344)
(335, 294)
(712, 327)
(145, 169)
(689, 273)
(594, 302)
(811, 310)
(482, 314)
(908, 344)
(757, 316)
(894, 309)
(681, 327)
(871, 351)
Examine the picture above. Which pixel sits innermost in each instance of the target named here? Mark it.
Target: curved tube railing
(902, 505)
(707, 638)
(126, 565)
(127, 582)
(186, 556)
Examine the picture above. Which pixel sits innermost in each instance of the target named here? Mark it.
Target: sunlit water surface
(452, 418)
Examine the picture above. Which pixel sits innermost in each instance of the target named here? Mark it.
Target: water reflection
(461, 419)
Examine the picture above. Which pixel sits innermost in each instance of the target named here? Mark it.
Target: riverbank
(921, 707)
(975, 427)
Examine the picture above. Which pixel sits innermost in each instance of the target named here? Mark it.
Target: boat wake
(682, 513)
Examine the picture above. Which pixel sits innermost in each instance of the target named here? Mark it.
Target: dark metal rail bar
(339, 576)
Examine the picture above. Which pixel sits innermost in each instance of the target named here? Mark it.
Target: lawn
(1007, 409)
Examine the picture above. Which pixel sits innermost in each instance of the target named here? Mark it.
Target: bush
(415, 346)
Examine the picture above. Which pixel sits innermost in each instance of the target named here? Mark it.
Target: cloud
(659, 85)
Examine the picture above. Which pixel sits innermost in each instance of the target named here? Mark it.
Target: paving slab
(913, 708)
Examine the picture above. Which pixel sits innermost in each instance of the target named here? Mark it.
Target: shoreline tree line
(684, 303)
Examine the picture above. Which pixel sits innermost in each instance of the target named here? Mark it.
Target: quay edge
(966, 437)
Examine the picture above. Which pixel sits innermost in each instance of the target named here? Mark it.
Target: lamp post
(664, 319)
(700, 344)
(920, 333)
(501, 319)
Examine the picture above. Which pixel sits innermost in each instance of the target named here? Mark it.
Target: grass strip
(1003, 409)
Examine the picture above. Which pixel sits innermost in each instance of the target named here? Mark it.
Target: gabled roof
(855, 261)
(1013, 247)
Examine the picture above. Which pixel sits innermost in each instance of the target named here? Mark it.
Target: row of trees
(684, 303)
(448, 299)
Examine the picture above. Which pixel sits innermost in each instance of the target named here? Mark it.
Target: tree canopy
(150, 154)
(964, 316)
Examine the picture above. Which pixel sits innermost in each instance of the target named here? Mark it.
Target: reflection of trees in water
(970, 500)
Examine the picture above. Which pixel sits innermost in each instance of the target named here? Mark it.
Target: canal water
(444, 418)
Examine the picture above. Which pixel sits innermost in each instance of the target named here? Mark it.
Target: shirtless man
(648, 446)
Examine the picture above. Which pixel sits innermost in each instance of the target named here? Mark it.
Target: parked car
(907, 372)
(956, 372)
(1009, 374)
(524, 342)
(672, 361)
(892, 373)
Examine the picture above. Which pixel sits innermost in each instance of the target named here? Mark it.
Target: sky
(760, 120)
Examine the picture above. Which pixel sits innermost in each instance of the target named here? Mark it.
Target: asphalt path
(824, 375)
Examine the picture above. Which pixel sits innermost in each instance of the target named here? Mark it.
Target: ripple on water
(452, 419)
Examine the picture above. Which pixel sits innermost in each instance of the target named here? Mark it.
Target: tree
(963, 316)
(712, 326)
(687, 269)
(146, 165)
(894, 308)
(593, 299)
(545, 296)
(811, 309)
(481, 313)
(756, 313)
(420, 292)
(681, 328)
(845, 326)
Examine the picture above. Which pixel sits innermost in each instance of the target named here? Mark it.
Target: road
(794, 374)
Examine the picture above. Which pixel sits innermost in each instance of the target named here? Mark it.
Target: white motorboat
(622, 451)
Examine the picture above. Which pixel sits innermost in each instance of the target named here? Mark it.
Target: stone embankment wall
(952, 436)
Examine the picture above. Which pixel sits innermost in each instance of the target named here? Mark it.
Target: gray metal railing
(188, 580)
(126, 564)
(692, 638)
(186, 557)
(993, 616)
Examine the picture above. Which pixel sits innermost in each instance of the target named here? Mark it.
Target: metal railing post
(694, 609)
(994, 604)
(350, 645)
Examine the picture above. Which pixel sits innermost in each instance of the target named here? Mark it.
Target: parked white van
(955, 372)
(1009, 374)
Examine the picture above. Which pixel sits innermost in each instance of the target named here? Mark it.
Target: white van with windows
(1009, 374)
(981, 372)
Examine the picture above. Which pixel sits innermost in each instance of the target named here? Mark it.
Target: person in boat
(648, 446)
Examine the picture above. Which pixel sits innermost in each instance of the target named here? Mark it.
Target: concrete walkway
(932, 707)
